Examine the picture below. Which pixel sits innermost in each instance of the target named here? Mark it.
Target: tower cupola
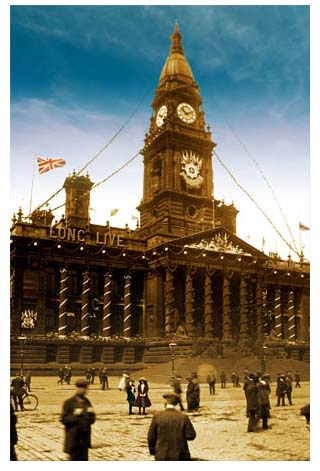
(77, 200)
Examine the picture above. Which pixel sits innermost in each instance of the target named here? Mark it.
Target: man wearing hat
(169, 432)
(77, 417)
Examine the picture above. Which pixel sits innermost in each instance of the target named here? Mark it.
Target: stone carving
(218, 243)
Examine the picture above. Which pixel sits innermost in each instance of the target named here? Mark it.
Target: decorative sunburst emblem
(190, 169)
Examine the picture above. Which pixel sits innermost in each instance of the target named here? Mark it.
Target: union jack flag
(44, 165)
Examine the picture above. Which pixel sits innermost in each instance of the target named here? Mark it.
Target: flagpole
(31, 193)
(300, 242)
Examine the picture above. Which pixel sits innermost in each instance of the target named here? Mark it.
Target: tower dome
(176, 63)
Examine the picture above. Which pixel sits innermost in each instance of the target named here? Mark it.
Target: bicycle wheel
(30, 402)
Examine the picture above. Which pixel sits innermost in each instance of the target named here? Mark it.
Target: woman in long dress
(124, 381)
(142, 400)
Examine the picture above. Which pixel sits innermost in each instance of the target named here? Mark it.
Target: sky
(79, 72)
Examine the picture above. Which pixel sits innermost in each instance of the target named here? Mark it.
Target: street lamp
(263, 359)
(172, 346)
(22, 340)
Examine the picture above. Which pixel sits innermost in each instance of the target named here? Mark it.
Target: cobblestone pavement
(221, 426)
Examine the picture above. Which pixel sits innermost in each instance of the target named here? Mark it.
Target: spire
(176, 63)
(176, 37)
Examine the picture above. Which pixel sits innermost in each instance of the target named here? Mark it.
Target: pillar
(208, 306)
(63, 300)
(260, 310)
(169, 302)
(277, 313)
(16, 296)
(85, 305)
(41, 302)
(106, 319)
(291, 317)
(127, 307)
(243, 336)
(189, 304)
(226, 311)
(265, 312)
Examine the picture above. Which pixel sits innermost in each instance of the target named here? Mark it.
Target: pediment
(218, 240)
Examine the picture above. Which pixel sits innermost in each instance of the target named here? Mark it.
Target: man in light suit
(169, 432)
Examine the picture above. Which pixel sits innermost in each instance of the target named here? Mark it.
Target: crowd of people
(170, 430)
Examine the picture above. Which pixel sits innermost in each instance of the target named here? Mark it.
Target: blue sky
(78, 72)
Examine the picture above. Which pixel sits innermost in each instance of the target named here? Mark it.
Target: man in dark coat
(192, 395)
(77, 417)
(61, 376)
(169, 433)
(104, 379)
(17, 391)
(67, 373)
(305, 411)
(223, 380)
(13, 434)
(289, 388)
(251, 393)
(264, 390)
(211, 380)
(177, 388)
(281, 390)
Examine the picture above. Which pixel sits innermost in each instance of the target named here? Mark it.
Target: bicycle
(30, 401)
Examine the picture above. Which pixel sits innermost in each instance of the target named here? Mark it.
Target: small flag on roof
(302, 227)
(44, 165)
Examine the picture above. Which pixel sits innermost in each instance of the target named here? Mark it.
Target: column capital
(227, 274)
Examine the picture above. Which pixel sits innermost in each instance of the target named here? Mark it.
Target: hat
(82, 383)
(171, 398)
(142, 379)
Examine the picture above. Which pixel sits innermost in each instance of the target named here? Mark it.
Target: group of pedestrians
(167, 436)
(136, 397)
(170, 430)
(257, 391)
(284, 388)
(65, 374)
(102, 373)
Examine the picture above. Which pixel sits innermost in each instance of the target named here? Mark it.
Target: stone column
(277, 313)
(266, 317)
(291, 317)
(208, 306)
(16, 296)
(106, 319)
(85, 304)
(189, 305)
(226, 311)
(63, 300)
(243, 337)
(127, 307)
(41, 301)
(169, 302)
(260, 311)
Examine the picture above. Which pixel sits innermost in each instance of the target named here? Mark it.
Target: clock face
(186, 113)
(161, 116)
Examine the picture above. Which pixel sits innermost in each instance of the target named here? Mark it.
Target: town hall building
(82, 292)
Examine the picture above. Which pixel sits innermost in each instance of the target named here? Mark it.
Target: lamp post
(22, 340)
(263, 359)
(172, 346)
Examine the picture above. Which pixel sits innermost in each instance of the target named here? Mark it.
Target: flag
(302, 227)
(44, 165)
(113, 212)
(134, 218)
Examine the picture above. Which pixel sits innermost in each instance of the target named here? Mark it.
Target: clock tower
(178, 179)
